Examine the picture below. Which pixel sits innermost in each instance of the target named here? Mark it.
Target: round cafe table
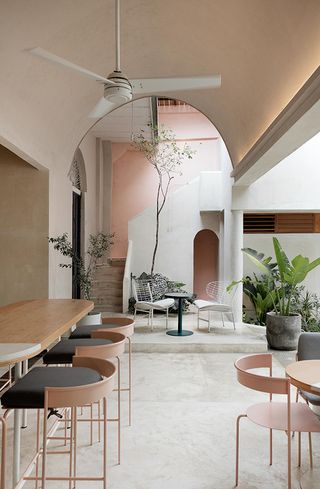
(180, 296)
(305, 375)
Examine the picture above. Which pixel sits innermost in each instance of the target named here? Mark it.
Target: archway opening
(205, 261)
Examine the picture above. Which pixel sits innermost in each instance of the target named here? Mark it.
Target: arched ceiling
(265, 51)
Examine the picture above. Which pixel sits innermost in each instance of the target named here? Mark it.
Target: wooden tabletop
(305, 375)
(39, 322)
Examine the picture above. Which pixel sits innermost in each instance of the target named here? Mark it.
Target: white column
(237, 260)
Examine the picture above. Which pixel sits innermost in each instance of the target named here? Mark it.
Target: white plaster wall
(88, 149)
(226, 218)
(293, 244)
(60, 221)
(60, 214)
(292, 185)
(180, 222)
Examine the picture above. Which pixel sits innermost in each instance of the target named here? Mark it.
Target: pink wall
(205, 261)
(135, 181)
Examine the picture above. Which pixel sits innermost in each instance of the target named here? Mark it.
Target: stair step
(108, 308)
(106, 294)
(117, 262)
(107, 285)
(110, 284)
(109, 272)
(104, 299)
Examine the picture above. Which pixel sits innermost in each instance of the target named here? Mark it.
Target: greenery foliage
(166, 156)
(307, 304)
(99, 245)
(289, 274)
(277, 289)
(259, 293)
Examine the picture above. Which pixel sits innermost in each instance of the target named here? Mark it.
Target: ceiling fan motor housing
(121, 92)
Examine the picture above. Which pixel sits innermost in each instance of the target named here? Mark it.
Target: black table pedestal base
(184, 332)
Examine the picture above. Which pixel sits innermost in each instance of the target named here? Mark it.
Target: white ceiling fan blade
(102, 108)
(157, 85)
(42, 53)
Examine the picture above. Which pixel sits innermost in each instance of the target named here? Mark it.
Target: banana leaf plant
(290, 274)
(261, 294)
(260, 290)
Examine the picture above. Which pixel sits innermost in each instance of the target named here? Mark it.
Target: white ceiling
(119, 126)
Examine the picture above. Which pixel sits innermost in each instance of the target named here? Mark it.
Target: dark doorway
(76, 240)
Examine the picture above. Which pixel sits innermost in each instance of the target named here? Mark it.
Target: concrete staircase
(107, 286)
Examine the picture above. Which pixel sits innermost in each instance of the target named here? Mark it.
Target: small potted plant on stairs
(99, 246)
(283, 323)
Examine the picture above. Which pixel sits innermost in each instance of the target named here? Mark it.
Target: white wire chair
(142, 292)
(222, 302)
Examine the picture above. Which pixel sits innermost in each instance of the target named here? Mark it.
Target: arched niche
(205, 261)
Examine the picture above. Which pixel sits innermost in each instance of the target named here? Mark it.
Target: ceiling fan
(118, 89)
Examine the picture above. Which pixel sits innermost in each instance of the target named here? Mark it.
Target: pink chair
(284, 416)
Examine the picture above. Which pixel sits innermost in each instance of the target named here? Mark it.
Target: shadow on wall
(205, 261)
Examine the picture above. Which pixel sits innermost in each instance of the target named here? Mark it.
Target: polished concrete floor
(222, 336)
(184, 411)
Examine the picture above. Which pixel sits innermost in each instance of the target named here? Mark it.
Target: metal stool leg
(130, 380)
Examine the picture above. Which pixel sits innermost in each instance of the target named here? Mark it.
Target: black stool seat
(28, 392)
(85, 331)
(65, 349)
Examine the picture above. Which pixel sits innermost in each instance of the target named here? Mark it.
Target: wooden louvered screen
(295, 223)
(259, 223)
(281, 223)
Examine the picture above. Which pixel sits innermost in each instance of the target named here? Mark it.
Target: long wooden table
(27, 328)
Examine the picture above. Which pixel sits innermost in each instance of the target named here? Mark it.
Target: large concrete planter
(283, 331)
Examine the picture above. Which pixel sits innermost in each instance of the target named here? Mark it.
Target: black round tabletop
(178, 295)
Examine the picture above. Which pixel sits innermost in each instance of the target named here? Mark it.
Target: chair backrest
(109, 350)
(262, 383)
(142, 290)
(119, 324)
(81, 395)
(217, 291)
(309, 346)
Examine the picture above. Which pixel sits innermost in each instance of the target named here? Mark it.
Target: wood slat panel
(281, 223)
(295, 223)
(258, 223)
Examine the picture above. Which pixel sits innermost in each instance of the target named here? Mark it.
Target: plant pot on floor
(91, 318)
(283, 331)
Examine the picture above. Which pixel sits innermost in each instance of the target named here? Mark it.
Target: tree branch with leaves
(166, 156)
(99, 245)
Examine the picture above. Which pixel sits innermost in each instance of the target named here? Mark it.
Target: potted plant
(283, 324)
(99, 245)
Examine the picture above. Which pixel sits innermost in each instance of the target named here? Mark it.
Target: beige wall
(24, 215)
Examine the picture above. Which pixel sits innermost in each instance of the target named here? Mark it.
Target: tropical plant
(307, 304)
(289, 275)
(99, 245)
(260, 290)
(260, 295)
(166, 156)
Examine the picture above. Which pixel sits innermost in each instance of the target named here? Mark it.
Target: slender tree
(166, 156)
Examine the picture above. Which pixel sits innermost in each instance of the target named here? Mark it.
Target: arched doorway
(77, 175)
(205, 261)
